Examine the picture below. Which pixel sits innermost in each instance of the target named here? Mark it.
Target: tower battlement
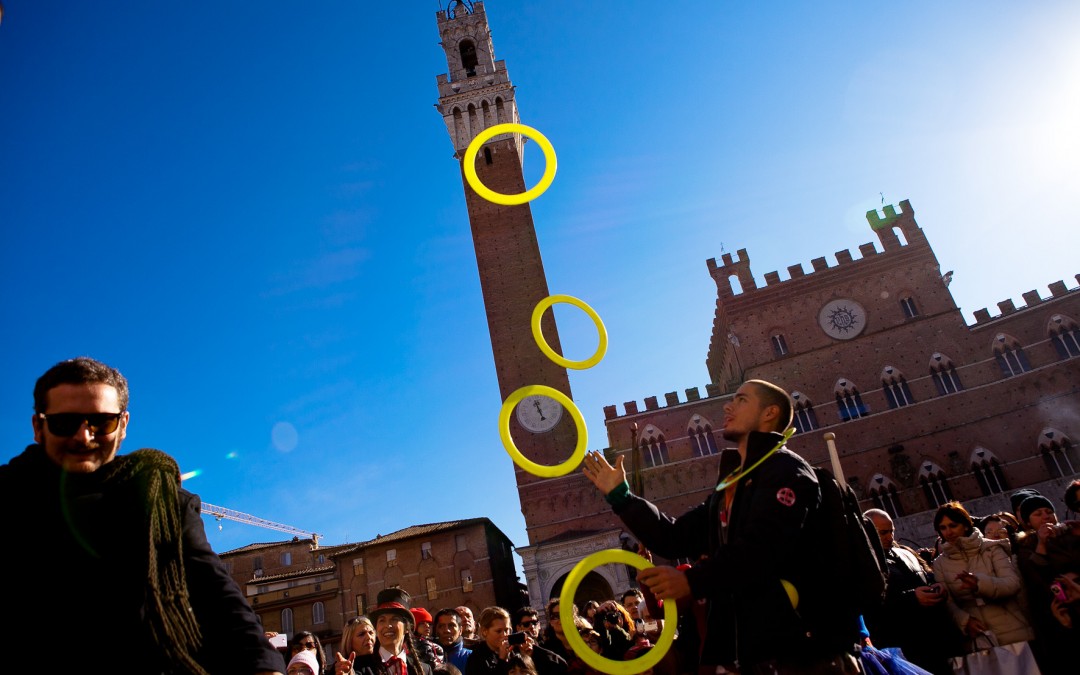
(1058, 289)
(652, 403)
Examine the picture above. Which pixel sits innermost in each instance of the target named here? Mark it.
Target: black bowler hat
(393, 601)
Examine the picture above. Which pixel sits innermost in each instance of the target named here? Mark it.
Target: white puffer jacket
(996, 600)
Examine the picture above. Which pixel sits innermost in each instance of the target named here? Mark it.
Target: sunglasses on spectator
(529, 623)
(307, 645)
(68, 424)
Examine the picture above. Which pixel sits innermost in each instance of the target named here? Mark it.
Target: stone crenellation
(671, 399)
(1032, 298)
(883, 226)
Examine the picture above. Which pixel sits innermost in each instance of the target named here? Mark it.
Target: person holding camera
(1047, 550)
(526, 640)
(490, 656)
(915, 615)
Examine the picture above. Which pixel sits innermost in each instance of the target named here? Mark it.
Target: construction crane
(220, 512)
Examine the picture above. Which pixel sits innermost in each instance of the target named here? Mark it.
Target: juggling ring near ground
(566, 616)
(538, 335)
(498, 197)
(543, 470)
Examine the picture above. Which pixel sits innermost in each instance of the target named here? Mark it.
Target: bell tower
(474, 95)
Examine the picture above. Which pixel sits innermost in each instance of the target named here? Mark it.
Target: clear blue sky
(251, 209)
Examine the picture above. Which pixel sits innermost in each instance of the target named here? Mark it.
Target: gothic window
(779, 344)
(884, 495)
(1065, 334)
(934, 484)
(1010, 355)
(805, 419)
(286, 621)
(500, 112)
(907, 303)
(468, 57)
(943, 372)
(701, 437)
(988, 473)
(1058, 453)
(654, 451)
(318, 613)
(849, 401)
(895, 386)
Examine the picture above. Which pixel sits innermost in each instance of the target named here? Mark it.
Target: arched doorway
(593, 587)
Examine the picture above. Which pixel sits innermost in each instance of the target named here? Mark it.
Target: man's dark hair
(522, 612)
(773, 395)
(633, 591)
(83, 370)
(448, 611)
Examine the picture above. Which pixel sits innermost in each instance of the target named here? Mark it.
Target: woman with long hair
(306, 640)
(983, 583)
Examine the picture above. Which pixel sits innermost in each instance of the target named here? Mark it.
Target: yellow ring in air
(566, 616)
(538, 335)
(543, 470)
(498, 197)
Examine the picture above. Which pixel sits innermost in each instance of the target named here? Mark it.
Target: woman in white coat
(983, 583)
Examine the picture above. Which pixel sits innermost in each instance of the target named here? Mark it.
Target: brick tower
(477, 94)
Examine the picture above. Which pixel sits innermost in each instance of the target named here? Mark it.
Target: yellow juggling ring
(543, 470)
(497, 197)
(538, 334)
(566, 616)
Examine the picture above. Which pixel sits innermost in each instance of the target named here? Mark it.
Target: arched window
(779, 344)
(805, 418)
(286, 621)
(701, 436)
(884, 495)
(318, 613)
(1010, 355)
(654, 450)
(934, 484)
(1058, 453)
(895, 386)
(468, 57)
(849, 402)
(1065, 334)
(987, 470)
(944, 374)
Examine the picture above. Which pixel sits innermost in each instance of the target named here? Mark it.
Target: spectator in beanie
(428, 650)
(303, 663)
(305, 640)
(1048, 550)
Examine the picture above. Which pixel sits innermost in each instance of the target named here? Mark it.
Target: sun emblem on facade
(842, 319)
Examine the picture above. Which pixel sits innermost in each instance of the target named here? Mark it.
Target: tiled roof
(257, 546)
(412, 531)
(290, 575)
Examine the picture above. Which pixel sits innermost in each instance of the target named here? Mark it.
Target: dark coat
(483, 661)
(372, 664)
(82, 582)
(768, 538)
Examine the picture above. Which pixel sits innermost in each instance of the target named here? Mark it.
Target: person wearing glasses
(547, 662)
(118, 547)
(305, 640)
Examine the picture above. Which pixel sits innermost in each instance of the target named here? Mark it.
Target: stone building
(873, 348)
(296, 585)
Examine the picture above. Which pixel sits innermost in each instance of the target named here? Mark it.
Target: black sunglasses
(68, 424)
(529, 623)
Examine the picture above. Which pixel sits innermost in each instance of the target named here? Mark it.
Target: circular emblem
(842, 319)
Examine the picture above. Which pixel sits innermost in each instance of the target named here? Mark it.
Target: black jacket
(768, 538)
(82, 577)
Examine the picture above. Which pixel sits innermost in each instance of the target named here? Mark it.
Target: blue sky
(253, 212)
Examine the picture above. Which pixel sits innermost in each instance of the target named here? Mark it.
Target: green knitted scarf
(169, 614)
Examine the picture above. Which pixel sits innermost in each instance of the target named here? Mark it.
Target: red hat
(421, 615)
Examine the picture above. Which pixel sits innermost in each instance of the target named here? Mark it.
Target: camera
(611, 617)
(516, 639)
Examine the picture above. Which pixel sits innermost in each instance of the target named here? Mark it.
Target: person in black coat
(397, 653)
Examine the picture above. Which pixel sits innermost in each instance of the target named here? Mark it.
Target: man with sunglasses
(547, 662)
(117, 547)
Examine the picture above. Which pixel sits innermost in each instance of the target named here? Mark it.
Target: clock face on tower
(539, 413)
(842, 319)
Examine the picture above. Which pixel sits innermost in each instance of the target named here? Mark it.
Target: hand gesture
(343, 666)
(1057, 609)
(604, 476)
(928, 596)
(974, 627)
(969, 580)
